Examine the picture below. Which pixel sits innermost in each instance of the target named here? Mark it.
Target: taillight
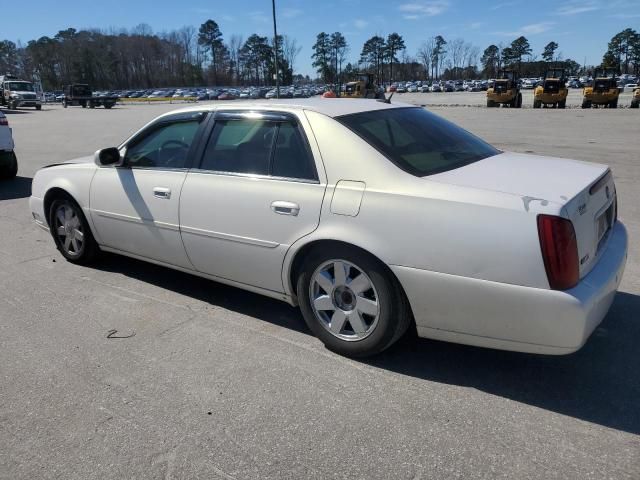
(559, 251)
(4, 121)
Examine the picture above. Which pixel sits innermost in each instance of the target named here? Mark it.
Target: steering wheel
(173, 144)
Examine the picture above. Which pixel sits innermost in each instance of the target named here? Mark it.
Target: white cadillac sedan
(372, 217)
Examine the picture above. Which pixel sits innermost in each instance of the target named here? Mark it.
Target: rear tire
(38, 107)
(586, 104)
(351, 302)
(71, 232)
(64, 104)
(12, 170)
(613, 103)
(635, 104)
(491, 104)
(562, 104)
(537, 104)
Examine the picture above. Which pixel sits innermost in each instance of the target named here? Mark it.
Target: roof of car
(332, 107)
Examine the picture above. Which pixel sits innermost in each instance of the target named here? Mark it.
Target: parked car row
(201, 93)
(439, 86)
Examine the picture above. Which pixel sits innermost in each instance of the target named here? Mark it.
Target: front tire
(71, 232)
(351, 302)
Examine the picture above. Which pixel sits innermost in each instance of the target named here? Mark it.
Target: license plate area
(604, 224)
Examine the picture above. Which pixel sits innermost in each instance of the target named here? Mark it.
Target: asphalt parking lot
(214, 382)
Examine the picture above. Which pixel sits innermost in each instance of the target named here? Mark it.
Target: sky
(582, 28)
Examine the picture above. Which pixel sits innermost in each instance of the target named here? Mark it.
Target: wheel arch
(297, 257)
(50, 196)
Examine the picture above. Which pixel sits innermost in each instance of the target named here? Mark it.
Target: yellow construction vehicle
(635, 100)
(505, 90)
(602, 91)
(553, 90)
(363, 87)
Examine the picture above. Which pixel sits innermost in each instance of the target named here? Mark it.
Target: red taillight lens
(559, 251)
(4, 121)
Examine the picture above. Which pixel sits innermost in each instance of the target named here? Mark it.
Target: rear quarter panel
(410, 221)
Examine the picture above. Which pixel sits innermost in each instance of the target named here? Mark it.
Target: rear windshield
(418, 141)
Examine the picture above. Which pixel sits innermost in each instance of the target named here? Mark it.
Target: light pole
(275, 43)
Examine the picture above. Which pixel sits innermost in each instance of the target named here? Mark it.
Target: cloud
(414, 11)
(291, 12)
(625, 16)
(360, 24)
(228, 18)
(575, 8)
(531, 29)
(498, 6)
(259, 17)
(476, 25)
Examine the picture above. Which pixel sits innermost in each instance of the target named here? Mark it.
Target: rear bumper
(512, 317)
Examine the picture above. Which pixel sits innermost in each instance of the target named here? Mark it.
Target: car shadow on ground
(218, 294)
(8, 111)
(598, 384)
(18, 187)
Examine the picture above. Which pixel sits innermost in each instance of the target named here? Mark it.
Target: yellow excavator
(635, 100)
(505, 90)
(602, 91)
(364, 86)
(553, 90)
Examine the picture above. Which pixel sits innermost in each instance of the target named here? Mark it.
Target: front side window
(417, 141)
(167, 146)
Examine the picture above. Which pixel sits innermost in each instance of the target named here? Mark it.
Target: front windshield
(20, 86)
(418, 141)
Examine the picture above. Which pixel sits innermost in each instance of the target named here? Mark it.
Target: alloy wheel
(344, 300)
(68, 228)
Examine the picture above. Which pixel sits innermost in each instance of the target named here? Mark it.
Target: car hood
(88, 160)
(528, 176)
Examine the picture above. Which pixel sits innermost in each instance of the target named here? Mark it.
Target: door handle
(285, 208)
(162, 192)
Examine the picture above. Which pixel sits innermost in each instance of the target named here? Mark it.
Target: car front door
(257, 189)
(134, 207)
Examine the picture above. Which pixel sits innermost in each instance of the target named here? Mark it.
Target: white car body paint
(463, 244)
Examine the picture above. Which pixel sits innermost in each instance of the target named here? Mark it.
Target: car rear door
(258, 188)
(135, 207)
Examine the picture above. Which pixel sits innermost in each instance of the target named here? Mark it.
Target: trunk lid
(585, 191)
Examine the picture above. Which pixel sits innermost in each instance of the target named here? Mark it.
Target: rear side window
(418, 141)
(291, 158)
(240, 146)
(260, 147)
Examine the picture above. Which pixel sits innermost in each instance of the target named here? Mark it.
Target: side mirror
(108, 156)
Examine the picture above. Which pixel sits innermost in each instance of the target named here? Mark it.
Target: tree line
(437, 58)
(140, 58)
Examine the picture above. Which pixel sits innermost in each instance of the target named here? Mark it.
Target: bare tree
(291, 50)
(235, 45)
(425, 54)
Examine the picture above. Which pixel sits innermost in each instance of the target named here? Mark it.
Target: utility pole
(275, 43)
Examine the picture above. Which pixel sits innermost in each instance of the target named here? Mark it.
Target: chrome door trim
(253, 175)
(138, 220)
(229, 237)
